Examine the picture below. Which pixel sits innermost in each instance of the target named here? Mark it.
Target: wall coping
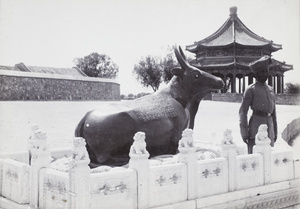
(281, 99)
(56, 76)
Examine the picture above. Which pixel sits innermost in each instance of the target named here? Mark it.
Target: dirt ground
(59, 119)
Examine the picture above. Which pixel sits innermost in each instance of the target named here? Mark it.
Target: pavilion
(228, 52)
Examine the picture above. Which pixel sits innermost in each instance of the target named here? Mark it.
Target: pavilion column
(240, 85)
(233, 84)
(282, 83)
(279, 84)
(275, 84)
(244, 83)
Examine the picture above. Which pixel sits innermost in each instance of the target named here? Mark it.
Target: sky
(52, 33)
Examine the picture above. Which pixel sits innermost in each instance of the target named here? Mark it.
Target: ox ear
(177, 71)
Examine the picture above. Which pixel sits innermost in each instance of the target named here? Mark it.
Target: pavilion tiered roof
(233, 31)
(233, 35)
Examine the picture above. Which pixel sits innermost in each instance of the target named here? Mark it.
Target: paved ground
(59, 119)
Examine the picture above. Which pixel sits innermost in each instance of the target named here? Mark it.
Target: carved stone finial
(187, 139)
(37, 141)
(37, 146)
(79, 142)
(139, 145)
(34, 128)
(79, 150)
(227, 137)
(262, 135)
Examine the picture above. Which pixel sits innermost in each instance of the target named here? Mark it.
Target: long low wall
(281, 99)
(41, 86)
(288, 99)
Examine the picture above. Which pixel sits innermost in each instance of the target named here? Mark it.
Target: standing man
(261, 98)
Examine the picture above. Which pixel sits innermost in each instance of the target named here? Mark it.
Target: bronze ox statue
(162, 116)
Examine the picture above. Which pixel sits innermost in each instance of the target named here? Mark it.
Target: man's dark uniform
(260, 98)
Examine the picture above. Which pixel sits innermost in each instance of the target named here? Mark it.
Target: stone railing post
(79, 175)
(229, 152)
(39, 158)
(188, 156)
(139, 162)
(263, 147)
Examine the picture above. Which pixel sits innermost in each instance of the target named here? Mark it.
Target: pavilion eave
(221, 65)
(195, 48)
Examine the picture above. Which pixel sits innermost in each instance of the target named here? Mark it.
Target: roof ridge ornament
(233, 11)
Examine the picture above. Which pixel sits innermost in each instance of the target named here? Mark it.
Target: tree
(97, 65)
(130, 96)
(141, 94)
(149, 72)
(292, 88)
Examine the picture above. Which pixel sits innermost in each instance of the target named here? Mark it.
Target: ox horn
(182, 54)
(181, 58)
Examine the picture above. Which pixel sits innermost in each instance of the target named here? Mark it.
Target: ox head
(194, 81)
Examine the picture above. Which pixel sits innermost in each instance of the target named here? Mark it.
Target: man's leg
(251, 143)
(272, 143)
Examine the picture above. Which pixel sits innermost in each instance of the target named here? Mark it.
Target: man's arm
(275, 123)
(243, 112)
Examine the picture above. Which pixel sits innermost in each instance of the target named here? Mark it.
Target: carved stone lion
(262, 134)
(79, 150)
(187, 138)
(227, 137)
(37, 142)
(139, 145)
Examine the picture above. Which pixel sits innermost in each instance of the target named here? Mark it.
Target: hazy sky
(54, 32)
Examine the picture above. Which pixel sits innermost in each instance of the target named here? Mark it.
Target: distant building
(228, 52)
